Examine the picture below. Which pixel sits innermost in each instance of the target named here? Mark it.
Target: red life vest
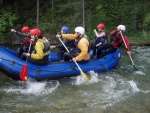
(27, 41)
(116, 40)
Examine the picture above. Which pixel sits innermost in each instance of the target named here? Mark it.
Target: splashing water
(34, 88)
(114, 90)
(134, 87)
(141, 71)
(93, 78)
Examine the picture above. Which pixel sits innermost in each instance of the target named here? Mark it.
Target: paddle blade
(84, 76)
(24, 73)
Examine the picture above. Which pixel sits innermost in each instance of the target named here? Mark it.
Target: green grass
(140, 38)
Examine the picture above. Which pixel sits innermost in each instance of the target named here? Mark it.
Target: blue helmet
(65, 29)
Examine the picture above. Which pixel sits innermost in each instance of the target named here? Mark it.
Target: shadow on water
(120, 90)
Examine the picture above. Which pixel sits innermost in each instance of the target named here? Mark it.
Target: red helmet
(101, 26)
(35, 31)
(25, 29)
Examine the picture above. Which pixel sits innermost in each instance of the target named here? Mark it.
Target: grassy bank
(140, 39)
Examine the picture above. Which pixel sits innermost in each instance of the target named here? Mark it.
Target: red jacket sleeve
(112, 33)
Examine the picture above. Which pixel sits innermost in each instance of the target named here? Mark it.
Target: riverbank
(140, 43)
(132, 43)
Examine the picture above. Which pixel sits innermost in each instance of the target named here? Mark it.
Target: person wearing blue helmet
(64, 30)
(69, 43)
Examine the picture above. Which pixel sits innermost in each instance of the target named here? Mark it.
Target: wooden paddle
(81, 72)
(24, 70)
(126, 47)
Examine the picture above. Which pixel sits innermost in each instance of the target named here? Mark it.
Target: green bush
(7, 20)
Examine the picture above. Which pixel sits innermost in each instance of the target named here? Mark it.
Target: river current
(124, 89)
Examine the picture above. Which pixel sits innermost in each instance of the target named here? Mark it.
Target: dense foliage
(134, 14)
(7, 20)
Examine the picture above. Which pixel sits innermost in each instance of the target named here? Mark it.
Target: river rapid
(124, 89)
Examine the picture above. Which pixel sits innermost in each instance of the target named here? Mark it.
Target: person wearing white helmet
(118, 37)
(121, 27)
(82, 43)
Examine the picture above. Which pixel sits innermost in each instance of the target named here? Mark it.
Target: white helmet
(122, 27)
(81, 30)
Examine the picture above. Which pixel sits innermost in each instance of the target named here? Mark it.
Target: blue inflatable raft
(12, 65)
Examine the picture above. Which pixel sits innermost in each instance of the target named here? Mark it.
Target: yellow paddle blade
(84, 76)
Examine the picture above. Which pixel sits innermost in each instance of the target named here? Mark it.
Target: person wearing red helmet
(41, 51)
(25, 29)
(100, 37)
(25, 46)
(118, 37)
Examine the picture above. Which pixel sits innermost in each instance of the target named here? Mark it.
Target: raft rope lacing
(73, 66)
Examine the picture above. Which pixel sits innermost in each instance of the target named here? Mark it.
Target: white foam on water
(146, 91)
(134, 87)
(93, 78)
(114, 90)
(34, 88)
(140, 70)
(79, 80)
(110, 90)
(139, 73)
(107, 91)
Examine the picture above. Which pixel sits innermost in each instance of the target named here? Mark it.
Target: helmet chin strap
(36, 38)
(79, 35)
